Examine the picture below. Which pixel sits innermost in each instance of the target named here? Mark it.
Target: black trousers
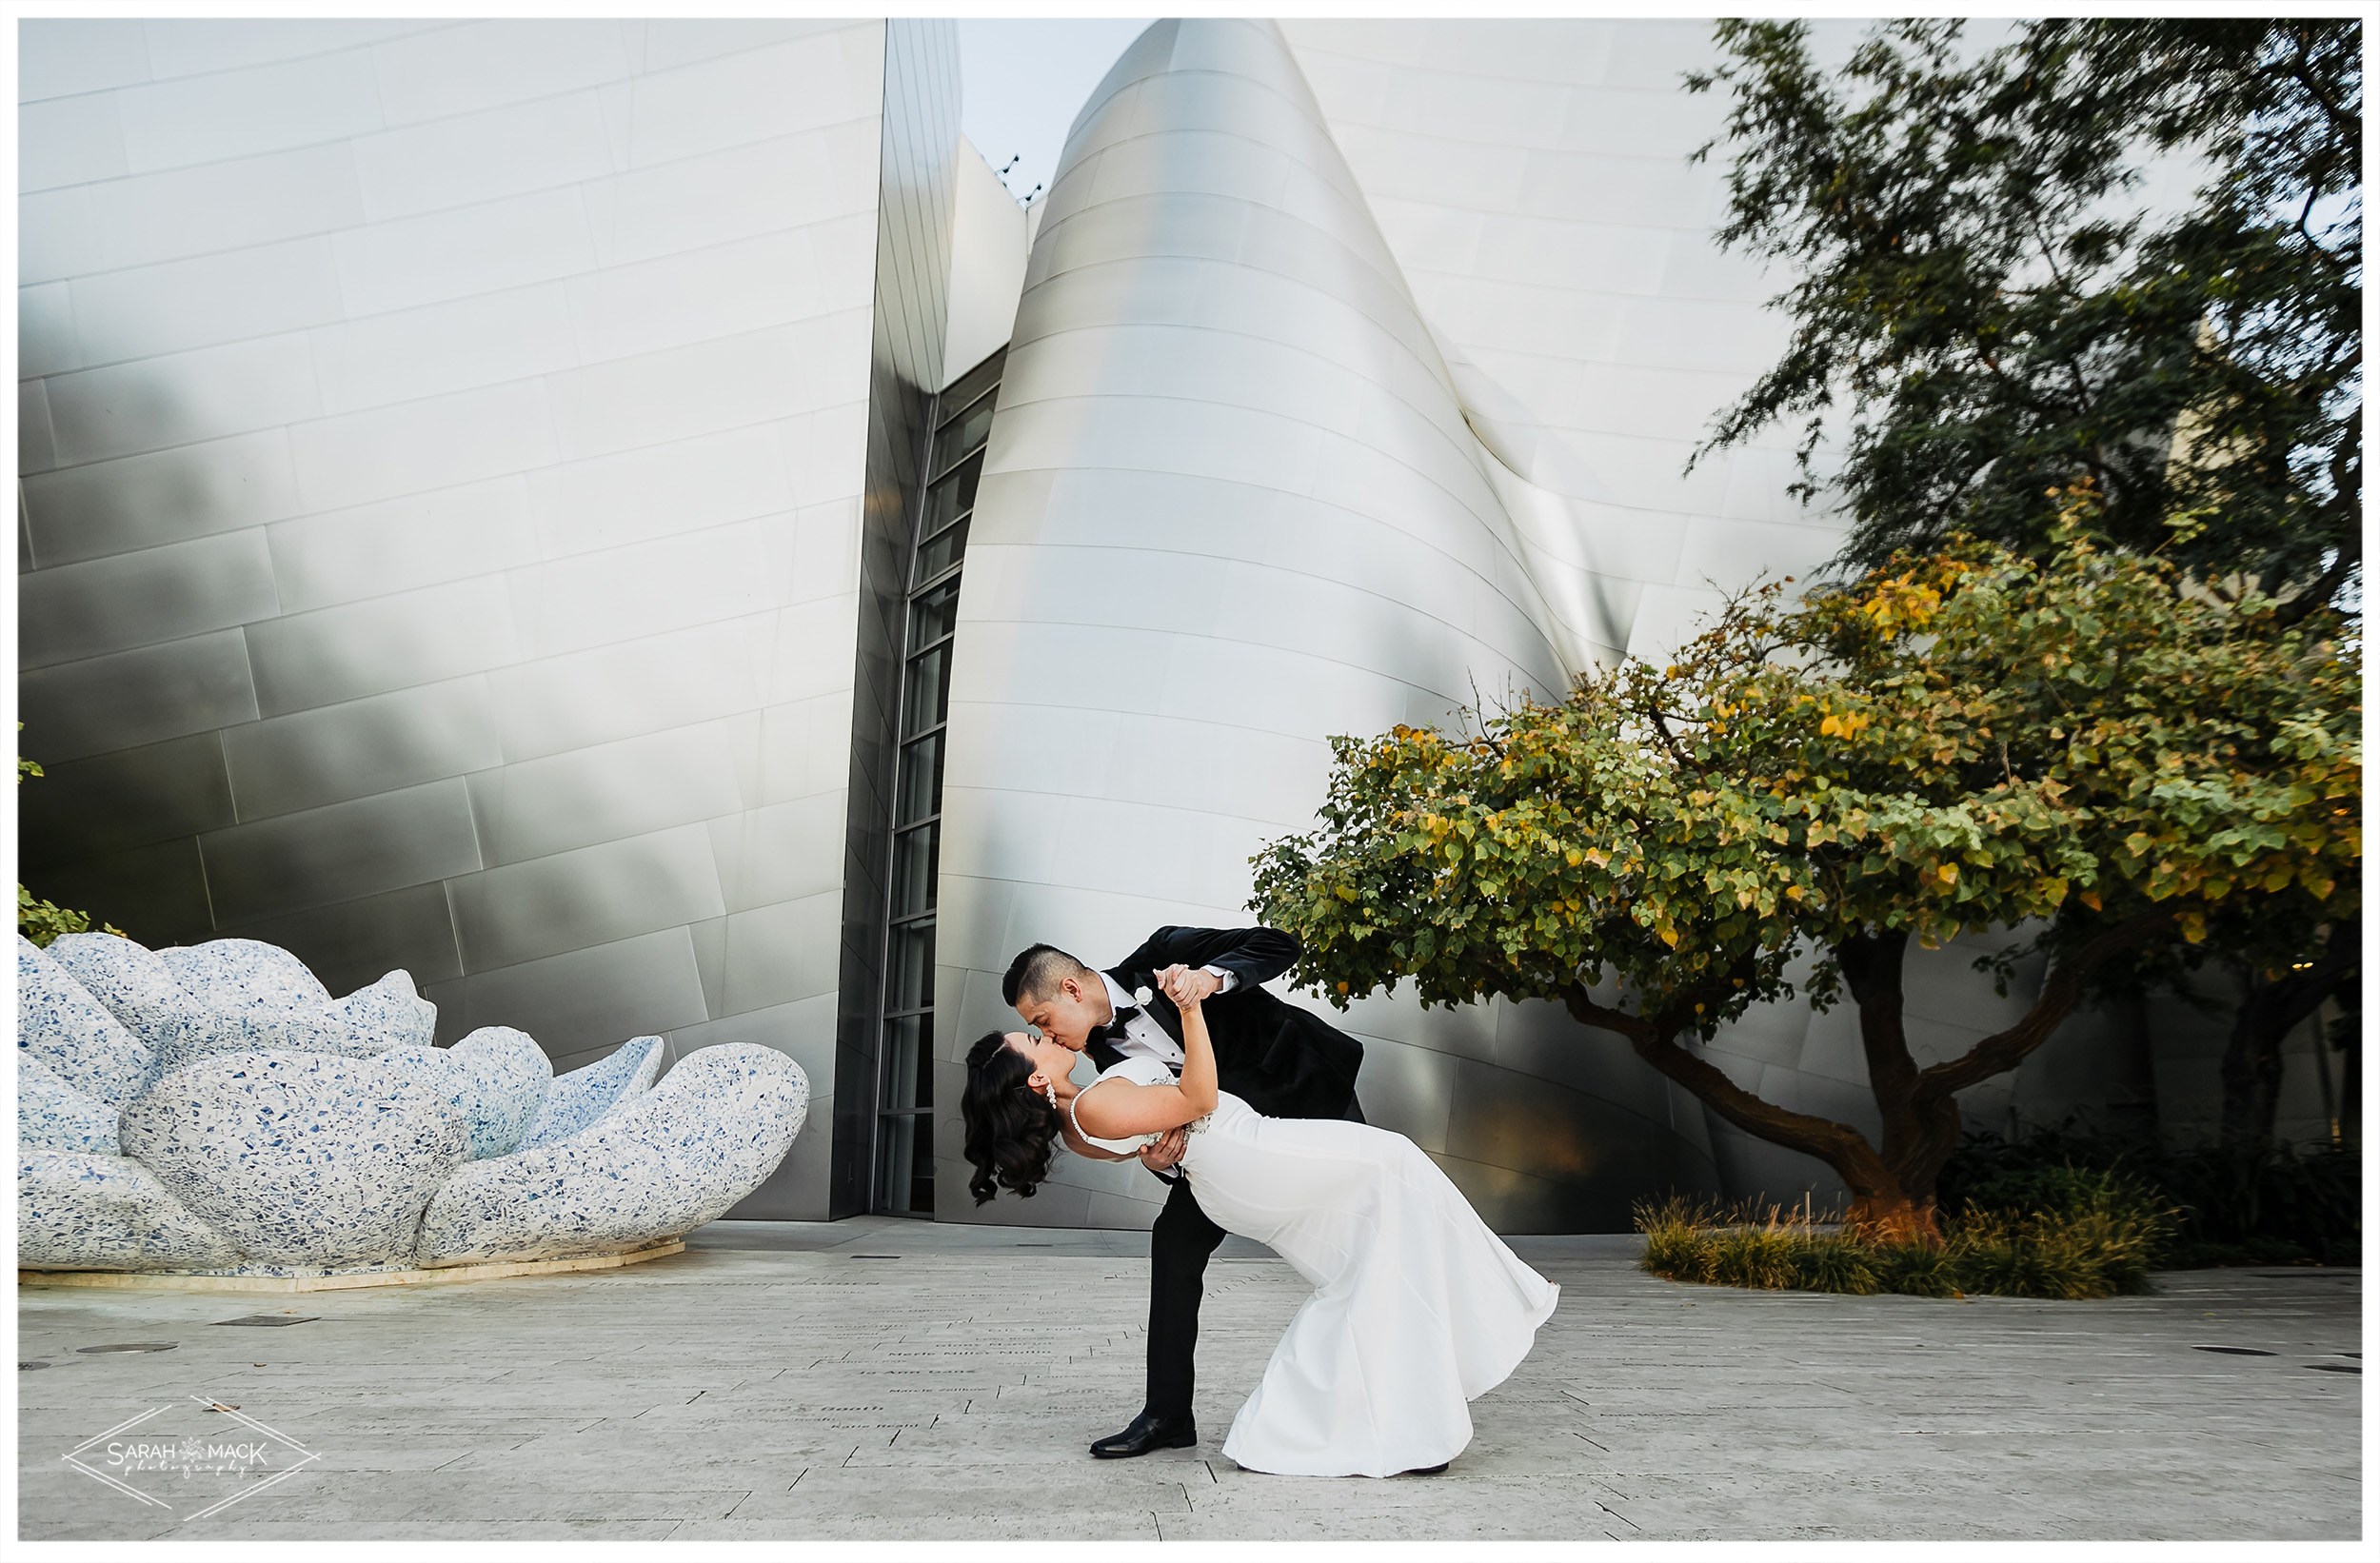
(1180, 1242)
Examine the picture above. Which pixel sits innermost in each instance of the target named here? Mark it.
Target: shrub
(1836, 1264)
(42, 920)
(2289, 1205)
(2101, 1241)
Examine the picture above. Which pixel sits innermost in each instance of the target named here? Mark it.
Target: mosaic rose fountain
(213, 1110)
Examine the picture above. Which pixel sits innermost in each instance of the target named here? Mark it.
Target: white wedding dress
(1418, 1308)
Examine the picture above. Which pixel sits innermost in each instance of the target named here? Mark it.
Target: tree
(1956, 743)
(1984, 311)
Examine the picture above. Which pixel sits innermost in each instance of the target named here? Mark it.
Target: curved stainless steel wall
(1231, 506)
(444, 451)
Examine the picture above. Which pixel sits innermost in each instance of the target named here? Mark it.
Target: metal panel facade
(446, 471)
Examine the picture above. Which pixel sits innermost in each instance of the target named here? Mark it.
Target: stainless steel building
(628, 520)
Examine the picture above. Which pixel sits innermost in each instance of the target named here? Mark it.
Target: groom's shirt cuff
(1231, 980)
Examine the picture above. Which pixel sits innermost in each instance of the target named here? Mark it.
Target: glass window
(909, 978)
(920, 779)
(916, 855)
(965, 433)
(906, 1042)
(934, 615)
(904, 1170)
(926, 692)
(975, 382)
(952, 496)
(942, 553)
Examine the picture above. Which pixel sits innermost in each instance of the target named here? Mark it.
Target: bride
(1417, 1307)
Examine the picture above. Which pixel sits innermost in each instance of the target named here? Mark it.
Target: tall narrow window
(905, 1141)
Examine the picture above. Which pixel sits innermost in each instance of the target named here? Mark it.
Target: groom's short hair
(1036, 973)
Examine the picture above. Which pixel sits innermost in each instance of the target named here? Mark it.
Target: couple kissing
(1246, 1106)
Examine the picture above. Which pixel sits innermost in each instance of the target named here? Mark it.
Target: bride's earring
(1049, 1089)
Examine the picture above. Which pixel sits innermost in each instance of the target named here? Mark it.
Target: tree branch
(1669, 742)
(2004, 1050)
(1838, 1145)
(2299, 994)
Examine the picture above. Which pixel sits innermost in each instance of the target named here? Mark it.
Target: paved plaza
(890, 1380)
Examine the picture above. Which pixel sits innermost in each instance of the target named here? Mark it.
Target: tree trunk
(2133, 1110)
(1893, 1190)
(2349, 1034)
(1895, 1217)
(1919, 1136)
(2251, 1071)
(2267, 1013)
(2351, 1079)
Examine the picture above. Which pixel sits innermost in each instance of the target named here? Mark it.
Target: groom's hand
(1160, 1153)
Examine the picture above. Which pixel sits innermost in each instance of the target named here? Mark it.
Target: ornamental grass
(2101, 1244)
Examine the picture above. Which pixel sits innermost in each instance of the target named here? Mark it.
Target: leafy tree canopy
(1956, 743)
(1986, 309)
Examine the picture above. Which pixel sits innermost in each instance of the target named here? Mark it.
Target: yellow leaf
(2089, 899)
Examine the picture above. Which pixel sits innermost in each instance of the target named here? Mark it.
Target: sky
(1022, 82)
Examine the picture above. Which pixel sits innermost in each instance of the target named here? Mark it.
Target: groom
(1282, 1061)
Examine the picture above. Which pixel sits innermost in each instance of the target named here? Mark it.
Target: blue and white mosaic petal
(675, 1157)
(213, 1110)
(136, 986)
(76, 1211)
(510, 1077)
(52, 1116)
(244, 973)
(316, 1029)
(579, 1099)
(491, 1081)
(389, 1012)
(431, 1066)
(300, 1160)
(65, 1028)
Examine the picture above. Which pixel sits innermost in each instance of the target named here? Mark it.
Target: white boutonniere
(1141, 997)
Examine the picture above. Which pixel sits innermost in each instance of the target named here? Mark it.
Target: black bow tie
(1114, 1030)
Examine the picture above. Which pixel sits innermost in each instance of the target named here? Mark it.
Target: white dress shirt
(1143, 1037)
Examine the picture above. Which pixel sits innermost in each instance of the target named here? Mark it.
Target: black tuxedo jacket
(1282, 1061)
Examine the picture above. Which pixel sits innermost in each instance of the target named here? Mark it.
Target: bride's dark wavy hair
(1012, 1130)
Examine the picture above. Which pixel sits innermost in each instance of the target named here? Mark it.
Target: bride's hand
(1186, 986)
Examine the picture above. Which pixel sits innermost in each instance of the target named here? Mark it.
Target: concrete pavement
(897, 1379)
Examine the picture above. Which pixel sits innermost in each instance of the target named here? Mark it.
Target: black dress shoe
(1147, 1433)
(1425, 1470)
